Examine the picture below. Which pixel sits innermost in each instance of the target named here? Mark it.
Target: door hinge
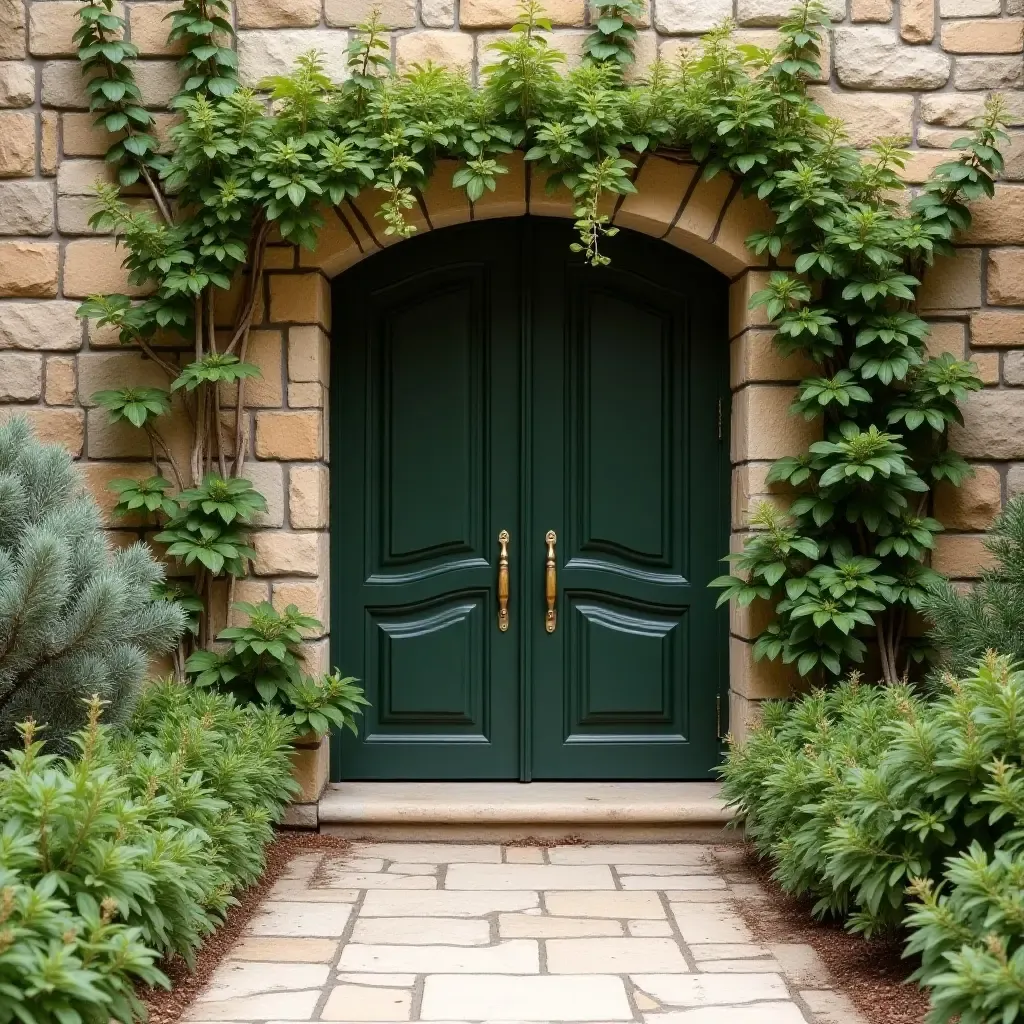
(719, 419)
(718, 716)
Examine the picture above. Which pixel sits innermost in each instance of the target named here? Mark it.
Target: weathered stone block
(263, 52)
(754, 357)
(95, 265)
(972, 506)
(952, 282)
(28, 269)
(308, 497)
(961, 556)
(310, 769)
(48, 143)
(305, 396)
(351, 13)
(1013, 368)
(759, 679)
(997, 330)
(872, 58)
(289, 554)
(762, 426)
(266, 391)
(947, 337)
(741, 316)
(917, 20)
(867, 118)
(999, 220)
(958, 109)
(17, 145)
(968, 8)
(988, 72)
(1005, 277)
(689, 17)
(283, 14)
(450, 49)
(99, 370)
(17, 83)
(987, 364)
(993, 426)
(40, 326)
(987, 35)
(21, 376)
(99, 475)
(293, 435)
(52, 426)
(311, 597)
(300, 298)
(871, 10)
(12, 30)
(51, 26)
(61, 380)
(438, 13)
(26, 207)
(308, 355)
(775, 12)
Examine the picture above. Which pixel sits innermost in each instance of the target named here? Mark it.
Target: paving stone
(675, 882)
(441, 903)
(801, 964)
(358, 864)
(728, 951)
(350, 880)
(539, 998)
(234, 979)
(769, 966)
(711, 990)
(832, 1008)
(361, 1003)
(298, 892)
(422, 931)
(604, 904)
(666, 869)
(645, 1002)
(755, 1013)
(302, 920)
(629, 853)
(389, 980)
(310, 951)
(701, 924)
(528, 876)
(527, 926)
(524, 855)
(413, 869)
(699, 895)
(274, 1006)
(302, 866)
(649, 929)
(613, 956)
(430, 853)
(517, 956)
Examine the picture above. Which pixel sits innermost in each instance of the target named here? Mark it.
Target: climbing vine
(846, 563)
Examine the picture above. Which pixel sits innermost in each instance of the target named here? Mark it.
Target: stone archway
(708, 219)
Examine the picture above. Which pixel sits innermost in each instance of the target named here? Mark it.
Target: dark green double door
(486, 380)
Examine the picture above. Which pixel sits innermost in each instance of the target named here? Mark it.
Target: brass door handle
(503, 584)
(550, 583)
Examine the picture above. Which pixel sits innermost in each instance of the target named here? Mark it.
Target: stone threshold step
(495, 811)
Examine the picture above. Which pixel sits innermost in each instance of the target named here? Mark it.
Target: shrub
(877, 801)
(75, 618)
(989, 616)
(130, 850)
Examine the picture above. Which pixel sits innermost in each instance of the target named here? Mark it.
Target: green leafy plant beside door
(846, 565)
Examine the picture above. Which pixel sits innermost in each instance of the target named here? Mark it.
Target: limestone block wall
(918, 68)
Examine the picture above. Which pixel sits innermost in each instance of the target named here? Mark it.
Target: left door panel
(426, 398)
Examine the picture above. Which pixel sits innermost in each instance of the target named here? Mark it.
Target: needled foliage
(131, 849)
(75, 617)
(897, 812)
(989, 616)
(846, 565)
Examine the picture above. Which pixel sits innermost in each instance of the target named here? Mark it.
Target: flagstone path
(440, 932)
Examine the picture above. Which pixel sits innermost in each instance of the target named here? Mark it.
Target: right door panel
(627, 470)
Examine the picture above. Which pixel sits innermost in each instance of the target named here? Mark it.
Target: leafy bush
(261, 662)
(892, 810)
(130, 850)
(989, 616)
(75, 618)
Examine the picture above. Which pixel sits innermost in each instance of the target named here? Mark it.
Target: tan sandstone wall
(919, 68)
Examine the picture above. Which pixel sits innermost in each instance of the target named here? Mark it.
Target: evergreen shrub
(895, 811)
(75, 617)
(131, 849)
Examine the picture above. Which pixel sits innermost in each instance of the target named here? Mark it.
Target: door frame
(722, 519)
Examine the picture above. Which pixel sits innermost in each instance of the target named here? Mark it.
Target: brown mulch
(872, 973)
(167, 1007)
(546, 843)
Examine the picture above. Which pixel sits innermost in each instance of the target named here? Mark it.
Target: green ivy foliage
(895, 812)
(130, 850)
(846, 566)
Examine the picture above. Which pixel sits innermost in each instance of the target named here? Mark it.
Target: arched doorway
(486, 381)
